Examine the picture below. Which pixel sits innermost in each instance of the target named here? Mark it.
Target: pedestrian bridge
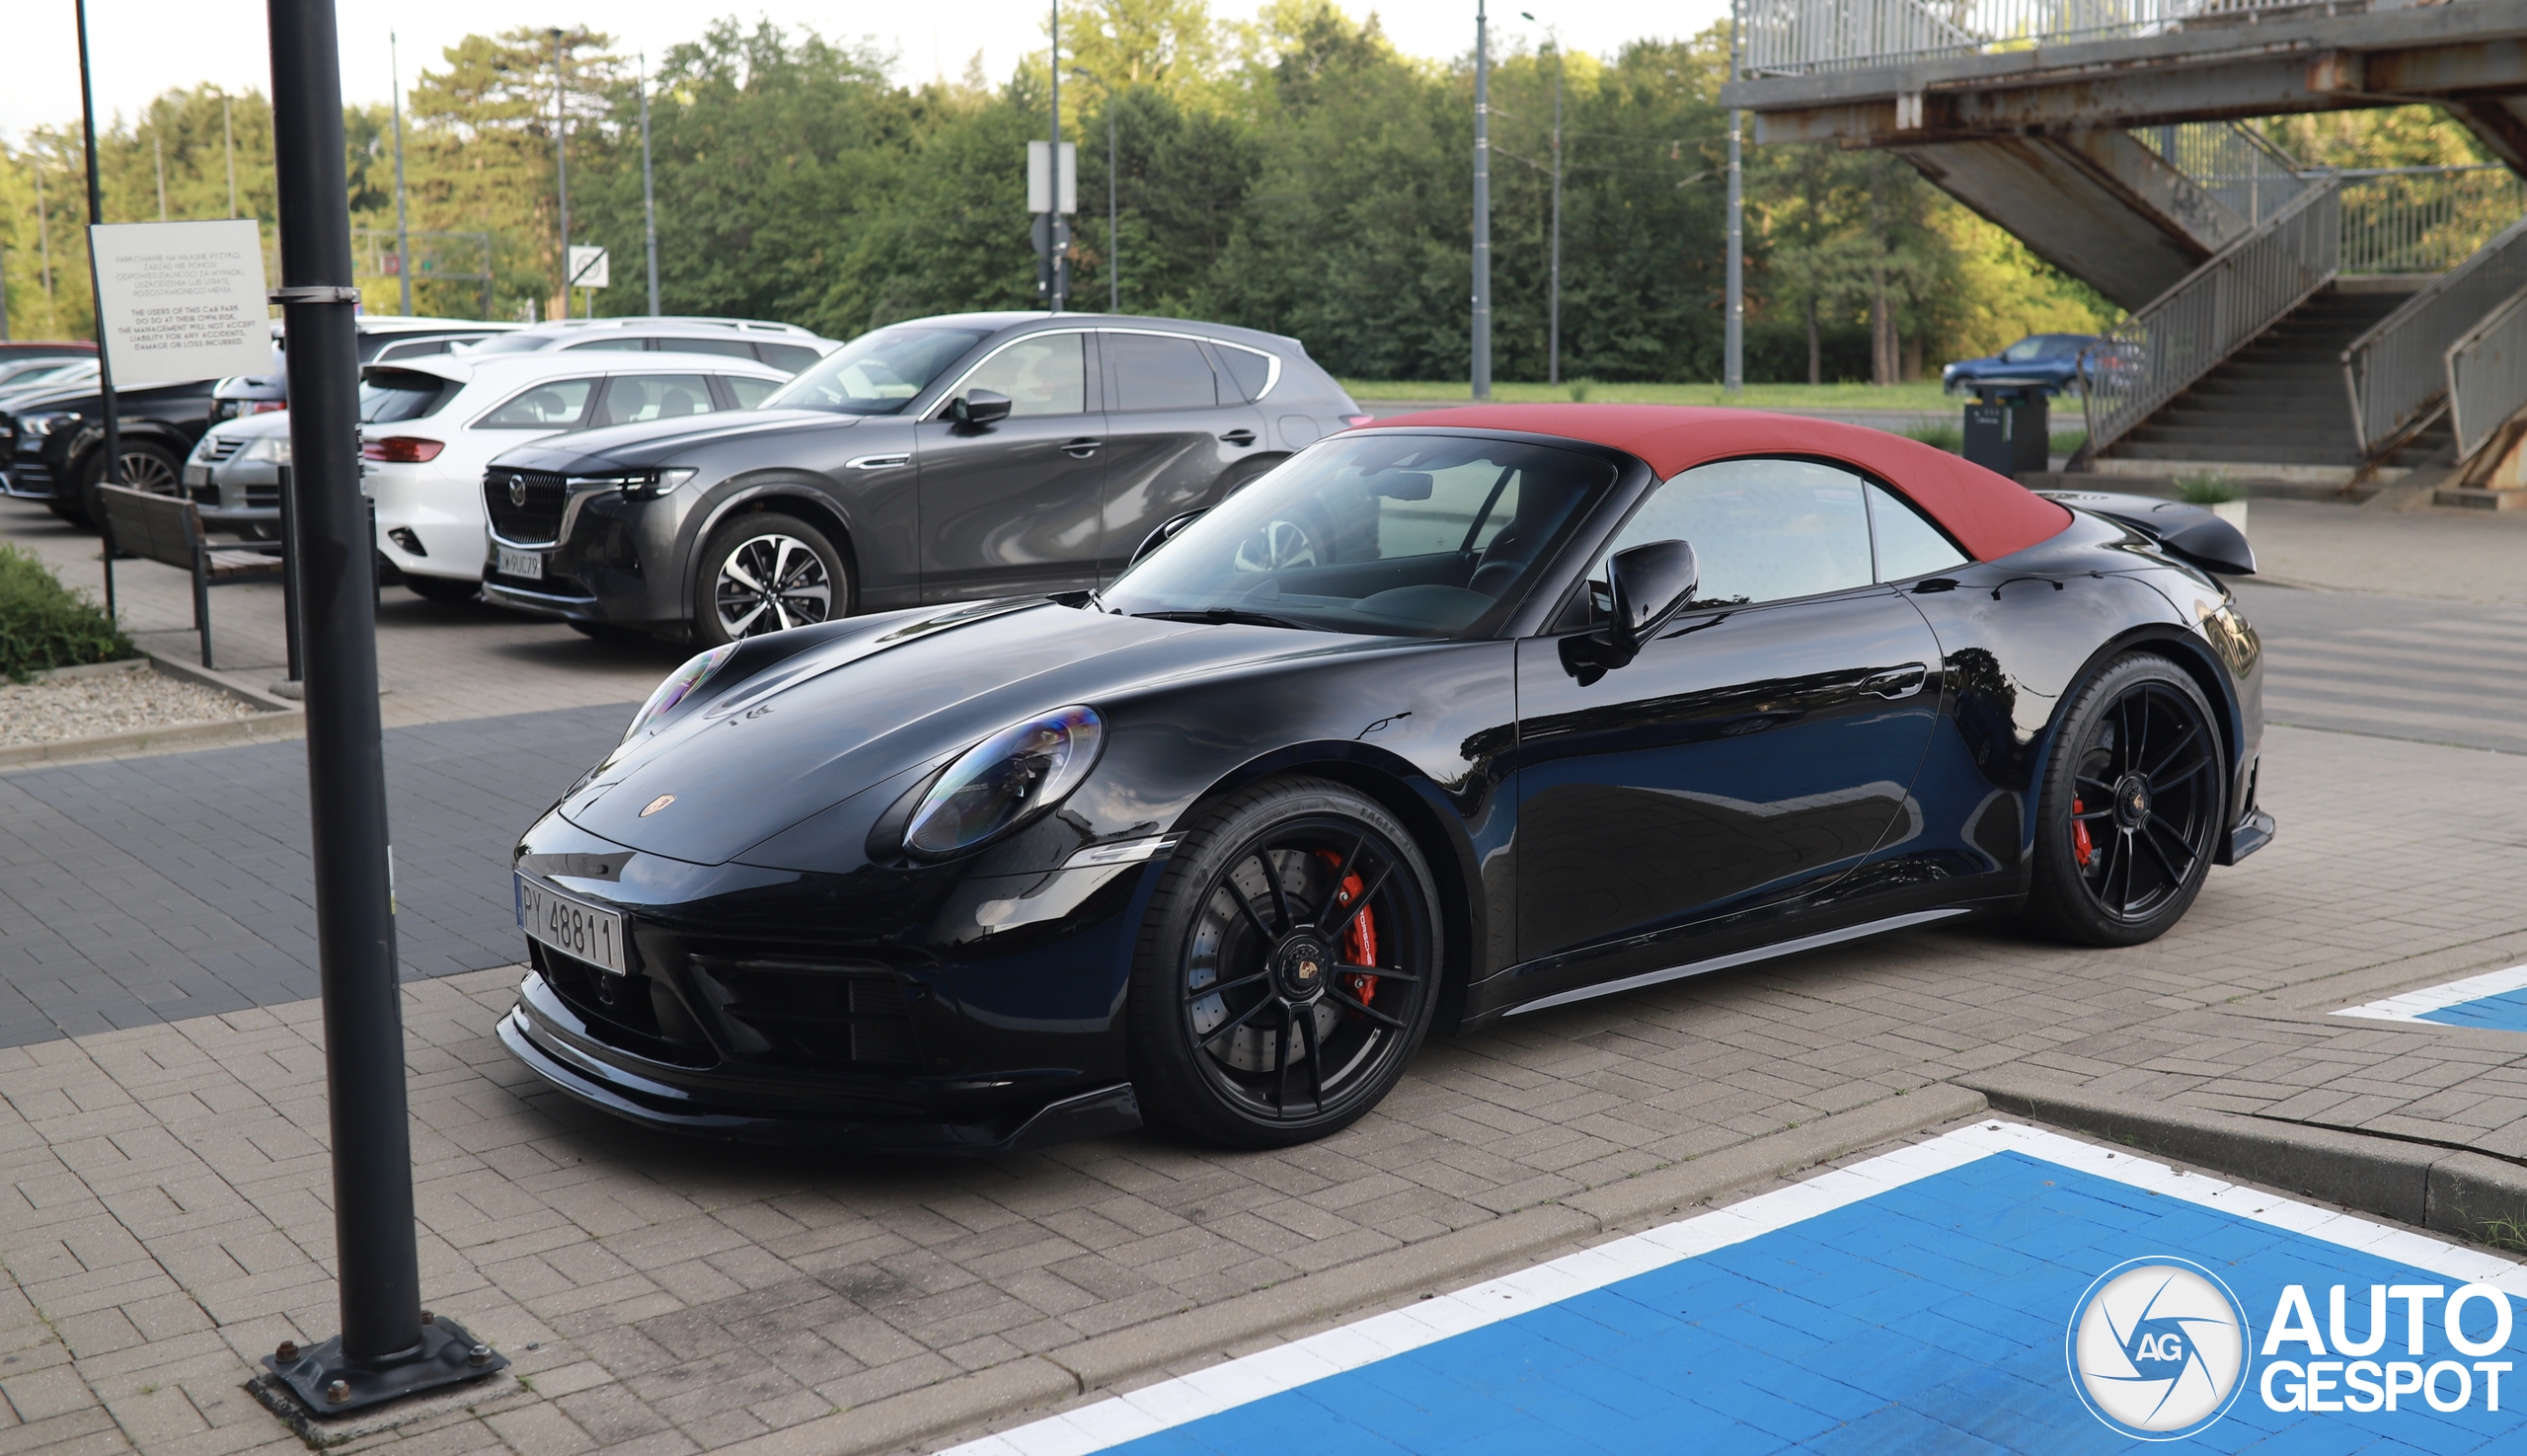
(2350, 323)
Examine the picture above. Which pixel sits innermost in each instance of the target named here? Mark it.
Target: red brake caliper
(1360, 942)
(2083, 848)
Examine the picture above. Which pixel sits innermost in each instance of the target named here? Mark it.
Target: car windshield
(389, 395)
(876, 373)
(1391, 535)
(510, 343)
(2024, 351)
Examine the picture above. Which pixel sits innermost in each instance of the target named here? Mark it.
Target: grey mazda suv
(973, 455)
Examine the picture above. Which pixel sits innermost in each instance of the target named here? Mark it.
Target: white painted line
(1225, 1386)
(2413, 1006)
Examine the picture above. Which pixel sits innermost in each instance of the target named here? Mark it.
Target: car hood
(661, 441)
(890, 696)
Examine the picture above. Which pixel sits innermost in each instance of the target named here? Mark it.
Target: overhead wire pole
(403, 234)
(110, 472)
(1733, 338)
(387, 1348)
(1481, 207)
(649, 193)
(562, 164)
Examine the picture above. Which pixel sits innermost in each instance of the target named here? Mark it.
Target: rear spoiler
(2187, 531)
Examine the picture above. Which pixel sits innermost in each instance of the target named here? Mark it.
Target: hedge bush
(44, 624)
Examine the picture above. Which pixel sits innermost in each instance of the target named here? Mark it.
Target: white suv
(785, 347)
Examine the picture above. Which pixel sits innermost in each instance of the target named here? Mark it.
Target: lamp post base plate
(445, 1356)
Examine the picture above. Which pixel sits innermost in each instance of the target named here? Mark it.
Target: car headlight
(271, 447)
(1004, 781)
(38, 425)
(637, 485)
(678, 686)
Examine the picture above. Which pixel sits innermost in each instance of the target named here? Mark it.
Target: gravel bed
(49, 710)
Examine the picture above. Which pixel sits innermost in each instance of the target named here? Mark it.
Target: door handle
(1080, 449)
(1238, 437)
(1898, 682)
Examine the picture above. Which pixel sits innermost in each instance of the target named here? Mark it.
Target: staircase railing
(2250, 175)
(2396, 372)
(2487, 375)
(2424, 219)
(1789, 37)
(2184, 333)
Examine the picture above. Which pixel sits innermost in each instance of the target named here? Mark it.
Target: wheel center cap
(2131, 802)
(1302, 967)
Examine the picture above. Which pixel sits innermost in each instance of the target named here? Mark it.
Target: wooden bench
(168, 529)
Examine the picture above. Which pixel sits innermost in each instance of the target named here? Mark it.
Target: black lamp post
(389, 1347)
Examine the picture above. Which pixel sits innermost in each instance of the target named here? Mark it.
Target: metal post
(289, 555)
(649, 193)
(228, 145)
(403, 234)
(1733, 336)
(1058, 226)
(1114, 224)
(1552, 364)
(111, 471)
(158, 152)
(1481, 207)
(562, 164)
(384, 1349)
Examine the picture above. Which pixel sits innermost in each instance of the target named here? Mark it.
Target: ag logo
(2157, 1347)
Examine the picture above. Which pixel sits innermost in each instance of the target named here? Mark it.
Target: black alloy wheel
(145, 467)
(2133, 806)
(767, 573)
(1288, 970)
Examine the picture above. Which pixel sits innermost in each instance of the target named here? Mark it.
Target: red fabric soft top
(1990, 516)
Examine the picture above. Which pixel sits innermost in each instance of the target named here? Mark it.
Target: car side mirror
(1650, 584)
(1168, 530)
(978, 406)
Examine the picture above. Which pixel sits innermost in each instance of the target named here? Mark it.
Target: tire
(442, 588)
(730, 604)
(145, 467)
(2141, 737)
(1212, 1063)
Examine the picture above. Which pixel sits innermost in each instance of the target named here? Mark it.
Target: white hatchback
(431, 425)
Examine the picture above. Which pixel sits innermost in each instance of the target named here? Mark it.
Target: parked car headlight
(36, 427)
(678, 686)
(274, 448)
(1004, 781)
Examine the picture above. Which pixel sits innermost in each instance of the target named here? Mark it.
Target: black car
(52, 441)
(941, 460)
(1451, 720)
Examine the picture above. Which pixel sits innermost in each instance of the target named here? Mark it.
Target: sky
(141, 48)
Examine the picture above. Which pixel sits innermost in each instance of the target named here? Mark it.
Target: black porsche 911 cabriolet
(1462, 717)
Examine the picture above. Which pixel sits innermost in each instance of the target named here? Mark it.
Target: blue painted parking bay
(2495, 1001)
(1997, 1288)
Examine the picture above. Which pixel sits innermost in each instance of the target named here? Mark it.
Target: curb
(965, 1402)
(274, 719)
(2423, 1184)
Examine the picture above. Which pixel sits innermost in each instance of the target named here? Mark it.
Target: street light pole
(1481, 207)
(386, 1349)
(1058, 226)
(1114, 239)
(649, 193)
(1553, 307)
(403, 234)
(228, 145)
(562, 162)
(1733, 338)
(110, 471)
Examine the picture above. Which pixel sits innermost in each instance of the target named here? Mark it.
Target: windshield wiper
(1222, 616)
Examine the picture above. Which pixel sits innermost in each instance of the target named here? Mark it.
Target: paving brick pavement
(153, 889)
(164, 1194)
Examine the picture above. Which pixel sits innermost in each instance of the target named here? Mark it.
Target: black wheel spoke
(1196, 994)
(1365, 1009)
(2159, 783)
(1253, 916)
(1315, 1056)
(1239, 1020)
(1280, 891)
(2136, 741)
(2169, 757)
(2123, 862)
(1341, 871)
(2152, 827)
(1380, 971)
(2174, 876)
(1360, 902)
(2095, 813)
(2101, 785)
(1281, 1061)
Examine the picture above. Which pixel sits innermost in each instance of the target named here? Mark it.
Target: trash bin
(2009, 431)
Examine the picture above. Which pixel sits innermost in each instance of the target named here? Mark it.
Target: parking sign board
(588, 267)
(182, 300)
